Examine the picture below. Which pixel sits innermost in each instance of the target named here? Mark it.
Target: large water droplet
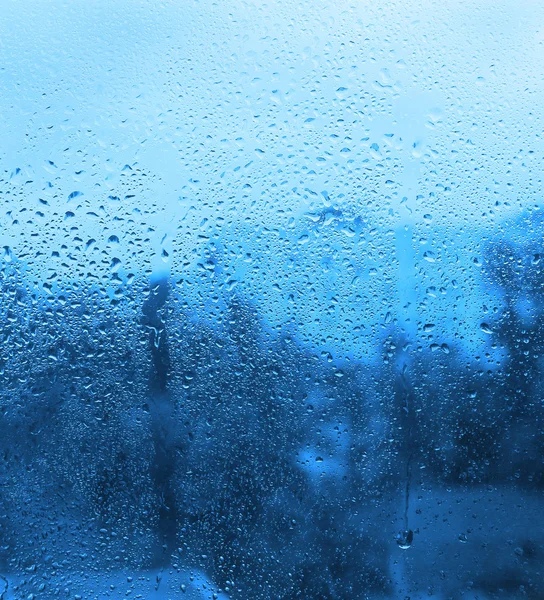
(405, 538)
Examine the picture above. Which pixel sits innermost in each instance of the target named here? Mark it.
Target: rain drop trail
(161, 408)
(158, 342)
(406, 537)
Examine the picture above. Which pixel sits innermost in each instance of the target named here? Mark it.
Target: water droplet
(8, 256)
(74, 195)
(486, 329)
(405, 538)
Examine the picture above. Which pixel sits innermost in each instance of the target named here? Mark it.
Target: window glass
(272, 299)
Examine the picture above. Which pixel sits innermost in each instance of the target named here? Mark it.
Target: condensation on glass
(272, 299)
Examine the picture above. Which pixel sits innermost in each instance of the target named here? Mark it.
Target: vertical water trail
(161, 412)
(405, 537)
(399, 565)
(407, 297)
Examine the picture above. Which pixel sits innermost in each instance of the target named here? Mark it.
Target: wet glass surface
(272, 300)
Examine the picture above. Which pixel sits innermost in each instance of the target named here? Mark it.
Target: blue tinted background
(271, 299)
